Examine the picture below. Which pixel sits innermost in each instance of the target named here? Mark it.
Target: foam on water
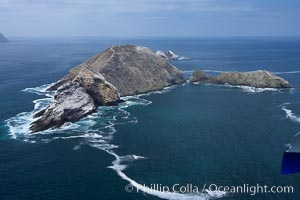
(95, 130)
(205, 70)
(165, 90)
(247, 89)
(41, 90)
(290, 115)
(254, 89)
(119, 168)
(21, 122)
(222, 71)
(289, 72)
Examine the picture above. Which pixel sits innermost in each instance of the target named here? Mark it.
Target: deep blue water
(199, 134)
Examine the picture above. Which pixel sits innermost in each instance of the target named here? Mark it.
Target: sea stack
(3, 38)
(200, 76)
(258, 79)
(170, 55)
(102, 80)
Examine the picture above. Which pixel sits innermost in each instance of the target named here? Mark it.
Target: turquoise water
(188, 134)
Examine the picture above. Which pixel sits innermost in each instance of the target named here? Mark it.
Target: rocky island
(3, 38)
(102, 80)
(127, 70)
(258, 79)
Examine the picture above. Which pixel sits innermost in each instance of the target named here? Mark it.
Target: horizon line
(157, 36)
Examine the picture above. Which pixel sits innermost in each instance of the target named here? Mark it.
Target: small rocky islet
(258, 79)
(123, 71)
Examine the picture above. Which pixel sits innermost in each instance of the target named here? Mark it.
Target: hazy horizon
(149, 18)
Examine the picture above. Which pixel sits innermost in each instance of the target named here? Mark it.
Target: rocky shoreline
(102, 80)
(123, 71)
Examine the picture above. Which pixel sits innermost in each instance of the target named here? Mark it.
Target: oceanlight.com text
(211, 188)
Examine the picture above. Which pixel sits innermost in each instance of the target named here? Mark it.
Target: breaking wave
(204, 70)
(95, 130)
(247, 89)
(222, 71)
(289, 72)
(289, 114)
(41, 90)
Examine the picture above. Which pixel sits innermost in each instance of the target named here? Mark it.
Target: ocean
(189, 134)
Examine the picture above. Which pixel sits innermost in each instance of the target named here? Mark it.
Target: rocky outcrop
(3, 38)
(259, 79)
(199, 76)
(100, 81)
(102, 92)
(71, 103)
(170, 55)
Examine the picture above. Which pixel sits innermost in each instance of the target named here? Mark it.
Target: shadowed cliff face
(100, 81)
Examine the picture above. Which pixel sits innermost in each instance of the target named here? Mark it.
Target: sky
(150, 18)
